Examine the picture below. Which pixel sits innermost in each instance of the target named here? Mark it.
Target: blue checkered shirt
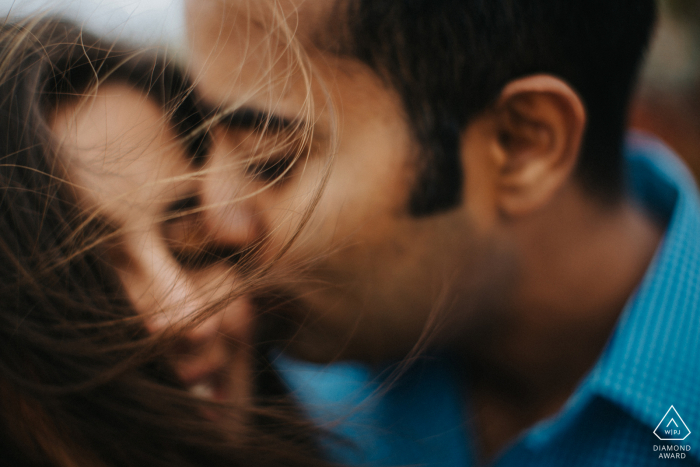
(651, 362)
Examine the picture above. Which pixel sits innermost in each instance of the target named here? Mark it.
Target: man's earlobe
(540, 121)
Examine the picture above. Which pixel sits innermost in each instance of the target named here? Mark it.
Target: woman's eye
(186, 242)
(116, 254)
(204, 257)
(181, 229)
(187, 239)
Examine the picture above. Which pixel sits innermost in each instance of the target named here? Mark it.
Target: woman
(101, 364)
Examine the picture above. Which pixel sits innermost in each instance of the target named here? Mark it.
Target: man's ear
(539, 125)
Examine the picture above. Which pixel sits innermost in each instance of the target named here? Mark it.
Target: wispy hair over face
(81, 381)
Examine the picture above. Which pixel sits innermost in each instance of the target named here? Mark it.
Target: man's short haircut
(450, 59)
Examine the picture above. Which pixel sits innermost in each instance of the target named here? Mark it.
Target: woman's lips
(215, 364)
(210, 382)
(202, 390)
(210, 387)
(205, 375)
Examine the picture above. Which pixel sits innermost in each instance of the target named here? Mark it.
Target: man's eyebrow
(250, 118)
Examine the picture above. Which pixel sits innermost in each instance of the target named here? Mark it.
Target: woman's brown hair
(81, 381)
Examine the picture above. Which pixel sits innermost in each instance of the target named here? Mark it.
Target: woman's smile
(133, 170)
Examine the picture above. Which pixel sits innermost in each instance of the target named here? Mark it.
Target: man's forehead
(242, 55)
(316, 22)
(319, 21)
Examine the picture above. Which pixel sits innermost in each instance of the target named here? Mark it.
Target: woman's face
(128, 166)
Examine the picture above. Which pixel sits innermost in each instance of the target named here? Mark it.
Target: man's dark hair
(450, 59)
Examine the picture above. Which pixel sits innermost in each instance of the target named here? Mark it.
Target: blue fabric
(651, 362)
(391, 416)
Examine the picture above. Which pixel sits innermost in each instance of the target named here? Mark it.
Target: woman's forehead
(120, 151)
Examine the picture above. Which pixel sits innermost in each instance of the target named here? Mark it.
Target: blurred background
(150, 21)
(667, 102)
(668, 98)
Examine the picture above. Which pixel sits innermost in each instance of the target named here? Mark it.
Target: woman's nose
(196, 307)
(174, 299)
(160, 290)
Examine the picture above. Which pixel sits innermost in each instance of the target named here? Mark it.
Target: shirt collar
(652, 360)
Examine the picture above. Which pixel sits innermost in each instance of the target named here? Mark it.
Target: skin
(128, 166)
(343, 254)
(523, 281)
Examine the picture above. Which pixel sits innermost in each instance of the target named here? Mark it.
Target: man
(478, 203)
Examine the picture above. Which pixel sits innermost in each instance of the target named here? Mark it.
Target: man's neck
(579, 264)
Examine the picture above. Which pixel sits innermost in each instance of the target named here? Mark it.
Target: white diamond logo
(672, 427)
